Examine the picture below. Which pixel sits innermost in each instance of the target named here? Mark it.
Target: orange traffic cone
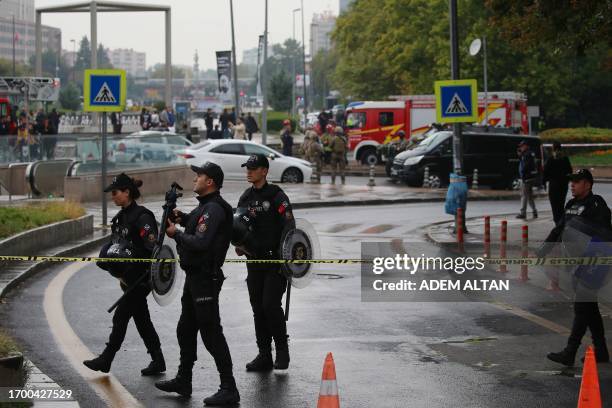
(328, 396)
(589, 388)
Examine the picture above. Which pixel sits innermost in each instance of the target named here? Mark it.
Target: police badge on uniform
(152, 237)
(202, 228)
(266, 205)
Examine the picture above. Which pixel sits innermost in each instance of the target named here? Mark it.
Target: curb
(40, 266)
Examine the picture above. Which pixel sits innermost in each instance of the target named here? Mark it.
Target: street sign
(104, 90)
(456, 101)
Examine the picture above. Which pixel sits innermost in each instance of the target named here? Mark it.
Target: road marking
(105, 385)
(557, 328)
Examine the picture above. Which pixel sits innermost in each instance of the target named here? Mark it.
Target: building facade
(23, 10)
(133, 62)
(321, 28)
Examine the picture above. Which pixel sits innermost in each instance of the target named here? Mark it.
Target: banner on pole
(224, 73)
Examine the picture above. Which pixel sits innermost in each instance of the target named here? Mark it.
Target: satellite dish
(475, 46)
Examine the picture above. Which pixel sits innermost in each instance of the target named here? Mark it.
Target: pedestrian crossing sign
(456, 101)
(104, 90)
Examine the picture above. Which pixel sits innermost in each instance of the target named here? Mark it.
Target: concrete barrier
(88, 188)
(33, 241)
(13, 178)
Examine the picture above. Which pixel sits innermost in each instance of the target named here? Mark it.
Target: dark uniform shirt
(527, 165)
(136, 225)
(271, 211)
(208, 231)
(592, 207)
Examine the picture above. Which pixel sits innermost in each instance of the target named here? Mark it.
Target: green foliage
(70, 97)
(597, 158)
(280, 92)
(391, 47)
(17, 219)
(577, 135)
(159, 105)
(276, 119)
(323, 67)
(6, 68)
(7, 345)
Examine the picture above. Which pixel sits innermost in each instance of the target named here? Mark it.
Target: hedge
(17, 219)
(577, 135)
(276, 119)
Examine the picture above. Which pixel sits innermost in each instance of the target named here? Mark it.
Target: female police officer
(134, 232)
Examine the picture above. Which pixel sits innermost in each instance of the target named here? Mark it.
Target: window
(356, 120)
(385, 119)
(176, 141)
(152, 139)
(254, 149)
(229, 148)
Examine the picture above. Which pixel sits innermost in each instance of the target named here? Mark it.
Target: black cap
(256, 161)
(120, 182)
(212, 170)
(582, 174)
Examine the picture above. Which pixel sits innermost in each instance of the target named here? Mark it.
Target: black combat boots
(263, 362)
(601, 352)
(227, 395)
(157, 364)
(565, 356)
(102, 362)
(282, 357)
(181, 384)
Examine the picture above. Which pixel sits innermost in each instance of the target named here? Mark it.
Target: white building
(23, 10)
(133, 62)
(249, 57)
(320, 32)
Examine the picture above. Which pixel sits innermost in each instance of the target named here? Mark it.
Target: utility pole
(454, 40)
(293, 67)
(304, 62)
(13, 45)
(264, 112)
(234, 67)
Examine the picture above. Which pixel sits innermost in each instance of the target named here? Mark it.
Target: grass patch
(596, 158)
(7, 345)
(577, 135)
(17, 219)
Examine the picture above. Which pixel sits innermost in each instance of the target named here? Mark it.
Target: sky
(202, 25)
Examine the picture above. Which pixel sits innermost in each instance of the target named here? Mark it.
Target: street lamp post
(304, 62)
(454, 42)
(234, 66)
(293, 66)
(73, 41)
(264, 112)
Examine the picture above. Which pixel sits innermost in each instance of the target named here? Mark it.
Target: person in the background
(528, 172)
(287, 138)
(556, 172)
(171, 119)
(225, 120)
(208, 121)
(251, 126)
(239, 130)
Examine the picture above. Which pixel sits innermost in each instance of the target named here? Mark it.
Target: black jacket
(527, 165)
(592, 207)
(271, 211)
(556, 171)
(208, 231)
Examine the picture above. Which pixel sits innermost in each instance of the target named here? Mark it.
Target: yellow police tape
(545, 261)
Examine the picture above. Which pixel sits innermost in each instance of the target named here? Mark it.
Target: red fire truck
(371, 124)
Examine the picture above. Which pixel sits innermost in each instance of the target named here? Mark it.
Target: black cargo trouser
(586, 316)
(266, 288)
(556, 196)
(200, 311)
(135, 306)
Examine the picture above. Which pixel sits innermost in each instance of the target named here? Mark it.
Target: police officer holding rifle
(202, 248)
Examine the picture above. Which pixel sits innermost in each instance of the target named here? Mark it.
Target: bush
(577, 135)
(17, 219)
(276, 119)
(7, 345)
(596, 158)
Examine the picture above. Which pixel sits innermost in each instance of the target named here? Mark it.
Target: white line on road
(105, 385)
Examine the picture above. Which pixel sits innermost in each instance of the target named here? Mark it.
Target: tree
(50, 62)
(70, 97)
(323, 66)
(280, 92)
(6, 68)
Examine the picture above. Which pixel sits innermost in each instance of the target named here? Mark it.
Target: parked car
(494, 154)
(230, 154)
(147, 145)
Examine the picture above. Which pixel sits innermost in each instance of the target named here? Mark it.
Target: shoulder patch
(202, 228)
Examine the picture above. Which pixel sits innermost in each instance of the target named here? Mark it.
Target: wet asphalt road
(386, 354)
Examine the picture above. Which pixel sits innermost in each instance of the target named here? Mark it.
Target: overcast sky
(196, 24)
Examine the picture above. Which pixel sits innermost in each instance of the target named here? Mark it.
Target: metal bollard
(426, 177)
(487, 236)
(525, 254)
(475, 180)
(371, 182)
(459, 227)
(502, 245)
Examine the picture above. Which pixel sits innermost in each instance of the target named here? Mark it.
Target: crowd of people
(26, 136)
(152, 120)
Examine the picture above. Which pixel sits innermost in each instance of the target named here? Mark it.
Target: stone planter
(12, 370)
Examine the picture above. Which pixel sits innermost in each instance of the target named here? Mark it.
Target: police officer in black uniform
(134, 233)
(202, 249)
(271, 215)
(594, 209)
